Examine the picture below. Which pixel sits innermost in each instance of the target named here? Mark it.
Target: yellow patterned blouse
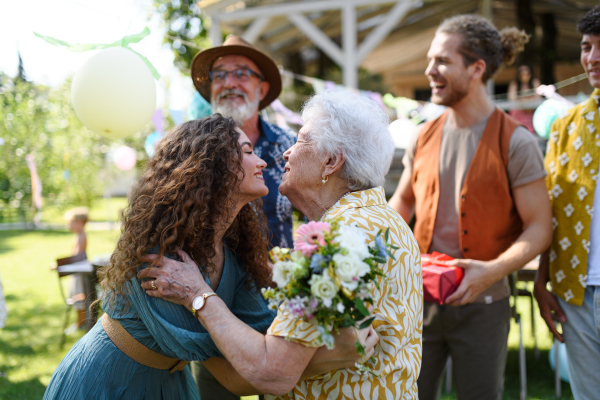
(572, 162)
(398, 308)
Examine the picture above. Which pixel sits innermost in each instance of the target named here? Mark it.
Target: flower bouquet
(328, 278)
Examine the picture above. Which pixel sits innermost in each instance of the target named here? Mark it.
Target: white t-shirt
(593, 264)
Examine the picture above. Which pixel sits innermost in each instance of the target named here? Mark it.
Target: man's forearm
(542, 275)
(533, 241)
(227, 376)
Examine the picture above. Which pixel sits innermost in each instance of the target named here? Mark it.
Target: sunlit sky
(84, 21)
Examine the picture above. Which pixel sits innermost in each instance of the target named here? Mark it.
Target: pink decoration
(124, 158)
(309, 236)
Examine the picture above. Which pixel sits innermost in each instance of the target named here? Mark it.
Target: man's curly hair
(589, 24)
(187, 189)
(482, 41)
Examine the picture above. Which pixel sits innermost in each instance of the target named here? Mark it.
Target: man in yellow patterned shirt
(572, 263)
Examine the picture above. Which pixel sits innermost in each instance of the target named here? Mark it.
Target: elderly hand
(174, 281)
(479, 275)
(344, 354)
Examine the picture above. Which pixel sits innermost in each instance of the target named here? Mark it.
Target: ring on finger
(152, 284)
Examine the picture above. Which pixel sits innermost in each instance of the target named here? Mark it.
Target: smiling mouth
(436, 86)
(231, 96)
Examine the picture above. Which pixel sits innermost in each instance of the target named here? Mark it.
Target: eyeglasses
(239, 74)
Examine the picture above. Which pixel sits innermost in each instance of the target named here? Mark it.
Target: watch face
(198, 302)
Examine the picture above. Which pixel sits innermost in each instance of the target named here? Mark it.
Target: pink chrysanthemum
(309, 236)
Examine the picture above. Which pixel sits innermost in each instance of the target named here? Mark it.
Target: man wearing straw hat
(239, 80)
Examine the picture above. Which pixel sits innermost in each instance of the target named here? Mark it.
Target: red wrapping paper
(439, 280)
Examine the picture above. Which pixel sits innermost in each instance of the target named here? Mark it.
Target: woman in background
(523, 81)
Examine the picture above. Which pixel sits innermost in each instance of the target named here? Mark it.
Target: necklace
(330, 208)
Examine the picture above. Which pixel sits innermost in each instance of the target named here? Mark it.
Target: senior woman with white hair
(335, 170)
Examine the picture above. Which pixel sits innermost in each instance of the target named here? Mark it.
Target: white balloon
(114, 93)
(402, 130)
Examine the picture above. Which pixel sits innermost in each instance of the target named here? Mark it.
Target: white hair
(344, 122)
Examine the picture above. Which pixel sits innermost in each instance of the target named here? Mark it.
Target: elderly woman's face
(302, 168)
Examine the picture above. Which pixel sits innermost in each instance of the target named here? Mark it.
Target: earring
(324, 180)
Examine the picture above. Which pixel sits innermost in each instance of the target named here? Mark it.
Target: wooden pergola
(390, 37)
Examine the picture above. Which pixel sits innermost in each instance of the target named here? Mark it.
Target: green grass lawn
(29, 343)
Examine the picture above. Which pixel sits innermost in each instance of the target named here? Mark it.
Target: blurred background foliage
(71, 160)
(185, 30)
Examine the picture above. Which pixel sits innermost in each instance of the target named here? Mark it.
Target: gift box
(439, 280)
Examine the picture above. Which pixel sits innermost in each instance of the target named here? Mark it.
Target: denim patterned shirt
(272, 143)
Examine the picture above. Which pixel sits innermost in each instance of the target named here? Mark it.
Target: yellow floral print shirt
(398, 309)
(572, 166)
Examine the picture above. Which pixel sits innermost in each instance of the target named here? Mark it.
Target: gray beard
(238, 113)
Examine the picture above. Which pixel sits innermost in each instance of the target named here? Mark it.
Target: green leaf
(360, 348)
(361, 307)
(387, 235)
(376, 284)
(367, 323)
(389, 253)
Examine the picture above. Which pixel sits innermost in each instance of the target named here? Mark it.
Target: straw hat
(203, 61)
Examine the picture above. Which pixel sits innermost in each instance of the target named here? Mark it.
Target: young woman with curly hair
(199, 199)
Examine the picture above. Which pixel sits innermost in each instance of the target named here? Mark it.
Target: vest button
(462, 214)
(464, 232)
(465, 250)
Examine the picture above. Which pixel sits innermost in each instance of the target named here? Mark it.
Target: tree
(185, 31)
(38, 120)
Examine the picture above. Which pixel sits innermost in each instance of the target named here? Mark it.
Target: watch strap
(204, 296)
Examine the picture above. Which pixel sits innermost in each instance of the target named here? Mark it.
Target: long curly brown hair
(186, 190)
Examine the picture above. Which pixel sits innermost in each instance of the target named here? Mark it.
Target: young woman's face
(253, 186)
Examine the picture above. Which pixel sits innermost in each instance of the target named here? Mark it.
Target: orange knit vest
(489, 222)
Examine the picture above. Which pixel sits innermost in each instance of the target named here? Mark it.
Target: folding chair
(512, 278)
(68, 301)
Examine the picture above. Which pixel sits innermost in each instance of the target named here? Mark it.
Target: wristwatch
(199, 302)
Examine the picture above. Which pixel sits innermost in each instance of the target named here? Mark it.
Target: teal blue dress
(95, 368)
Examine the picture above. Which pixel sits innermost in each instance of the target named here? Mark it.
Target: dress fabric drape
(95, 368)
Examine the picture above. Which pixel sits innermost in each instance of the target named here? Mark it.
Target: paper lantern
(563, 361)
(151, 142)
(114, 93)
(545, 115)
(402, 131)
(124, 158)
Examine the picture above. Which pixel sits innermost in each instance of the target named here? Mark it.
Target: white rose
(354, 240)
(323, 287)
(349, 268)
(340, 307)
(282, 274)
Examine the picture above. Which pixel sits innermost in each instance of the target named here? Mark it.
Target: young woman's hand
(176, 281)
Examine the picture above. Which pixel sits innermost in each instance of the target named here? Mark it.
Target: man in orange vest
(475, 179)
